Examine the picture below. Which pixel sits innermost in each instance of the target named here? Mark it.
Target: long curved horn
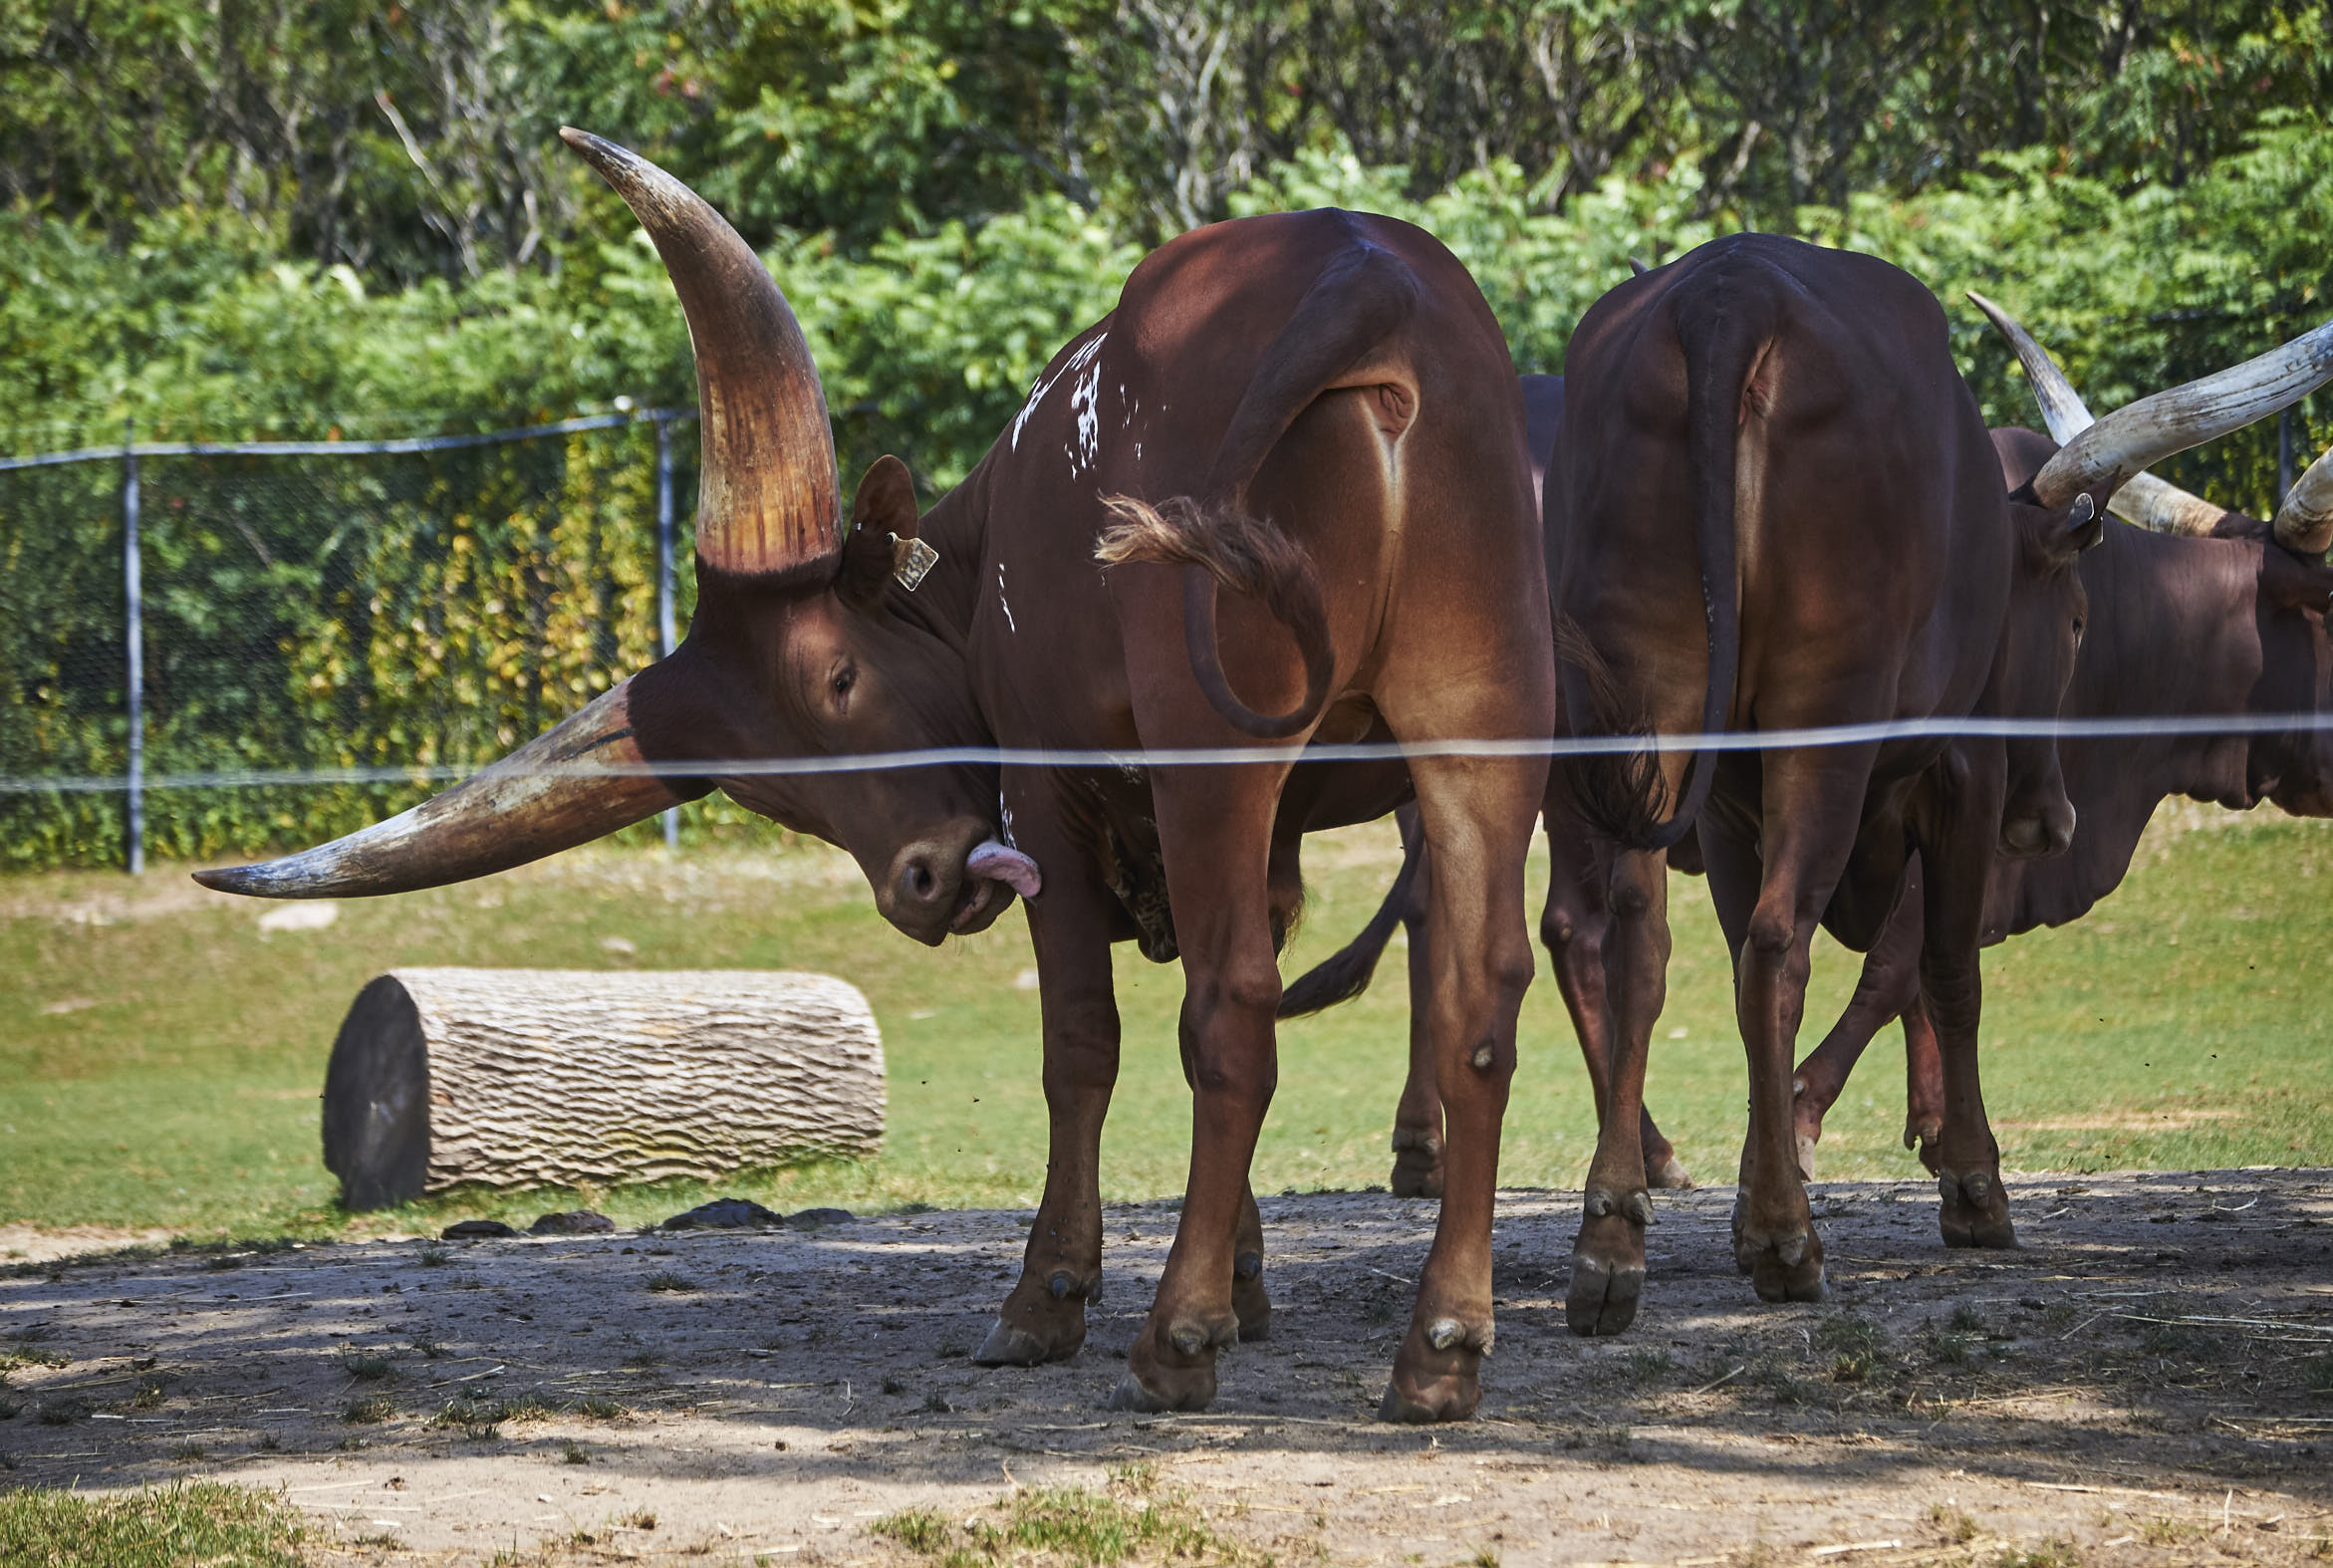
(2103, 457)
(2152, 503)
(535, 802)
(768, 497)
(2305, 523)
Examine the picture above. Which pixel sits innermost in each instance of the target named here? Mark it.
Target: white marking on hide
(1004, 814)
(1086, 354)
(1001, 603)
(1084, 400)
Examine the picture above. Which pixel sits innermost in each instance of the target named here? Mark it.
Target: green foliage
(241, 220)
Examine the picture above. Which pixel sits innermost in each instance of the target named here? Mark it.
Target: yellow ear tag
(912, 562)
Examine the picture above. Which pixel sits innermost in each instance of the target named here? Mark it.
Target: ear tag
(912, 562)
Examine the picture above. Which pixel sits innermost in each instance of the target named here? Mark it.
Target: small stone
(572, 1222)
(724, 1213)
(475, 1229)
(815, 1218)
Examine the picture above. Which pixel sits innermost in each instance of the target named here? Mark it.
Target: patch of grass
(921, 1530)
(2316, 1373)
(893, 1385)
(428, 1348)
(435, 1258)
(1966, 1318)
(366, 1366)
(574, 1452)
(2098, 1022)
(2051, 1553)
(2167, 1531)
(24, 1349)
(370, 1411)
(1956, 1525)
(1948, 1348)
(666, 1280)
(63, 1412)
(194, 1522)
(189, 1452)
(1648, 1366)
(2059, 1316)
(1854, 1346)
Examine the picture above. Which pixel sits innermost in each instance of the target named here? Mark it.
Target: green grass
(199, 1522)
(2176, 1027)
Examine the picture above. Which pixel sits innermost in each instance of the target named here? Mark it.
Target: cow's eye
(2078, 628)
(838, 684)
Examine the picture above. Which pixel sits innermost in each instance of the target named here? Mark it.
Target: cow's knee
(1227, 1032)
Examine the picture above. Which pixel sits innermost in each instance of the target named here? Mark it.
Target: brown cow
(1315, 410)
(2197, 611)
(1576, 925)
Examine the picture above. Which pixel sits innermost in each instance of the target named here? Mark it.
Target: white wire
(2161, 727)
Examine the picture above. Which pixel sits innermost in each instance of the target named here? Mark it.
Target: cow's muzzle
(956, 884)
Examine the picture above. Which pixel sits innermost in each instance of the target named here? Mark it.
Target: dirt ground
(2149, 1379)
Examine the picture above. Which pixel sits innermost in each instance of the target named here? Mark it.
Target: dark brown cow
(1315, 410)
(2194, 612)
(1749, 392)
(2272, 586)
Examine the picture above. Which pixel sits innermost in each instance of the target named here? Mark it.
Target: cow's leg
(1812, 801)
(1478, 815)
(1888, 988)
(1975, 1207)
(1214, 827)
(1608, 1257)
(1923, 1086)
(1417, 1122)
(1574, 926)
(1044, 1318)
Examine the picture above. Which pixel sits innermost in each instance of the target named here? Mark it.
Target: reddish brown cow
(2197, 611)
(1315, 410)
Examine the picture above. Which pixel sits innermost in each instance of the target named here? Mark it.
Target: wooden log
(519, 1078)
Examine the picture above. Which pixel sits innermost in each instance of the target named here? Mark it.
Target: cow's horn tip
(236, 879)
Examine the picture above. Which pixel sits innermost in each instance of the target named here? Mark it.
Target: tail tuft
(1227, 546)
(1621, 795)
(1245, 553)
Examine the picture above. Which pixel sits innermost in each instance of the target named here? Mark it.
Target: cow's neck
(2172, 634)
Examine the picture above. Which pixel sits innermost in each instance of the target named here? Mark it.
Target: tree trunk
(517, 1078)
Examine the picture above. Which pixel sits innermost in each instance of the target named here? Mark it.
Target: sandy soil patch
(39, 1245)
(2146, 1381)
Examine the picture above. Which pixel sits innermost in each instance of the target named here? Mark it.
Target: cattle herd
(1290, 491)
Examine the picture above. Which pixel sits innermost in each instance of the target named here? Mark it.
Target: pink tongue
(995, 861)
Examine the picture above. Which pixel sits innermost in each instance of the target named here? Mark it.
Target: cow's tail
(1346, 974)
(1625, 795)
(1360, 298)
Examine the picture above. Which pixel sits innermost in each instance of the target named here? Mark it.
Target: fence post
(2283, 455)
(133, 654)
(664, 637)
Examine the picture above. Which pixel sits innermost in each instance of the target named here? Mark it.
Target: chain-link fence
(281, 608)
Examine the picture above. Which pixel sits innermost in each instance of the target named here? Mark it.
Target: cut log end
(376, 1100)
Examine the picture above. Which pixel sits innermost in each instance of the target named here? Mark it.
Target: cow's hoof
(1042, 1320)
(1785, 1267)
(1668, 1174)
(1608, 1263)
(1437, 1373)
(1921, 1135)
(1249, 1304)
(1007, 1346)
(1976, 1209)
(1172, 1367)
(1418, 1171)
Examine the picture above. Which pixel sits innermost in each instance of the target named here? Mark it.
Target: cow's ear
(883, 519)
(2056, 538)
(2290, 582)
